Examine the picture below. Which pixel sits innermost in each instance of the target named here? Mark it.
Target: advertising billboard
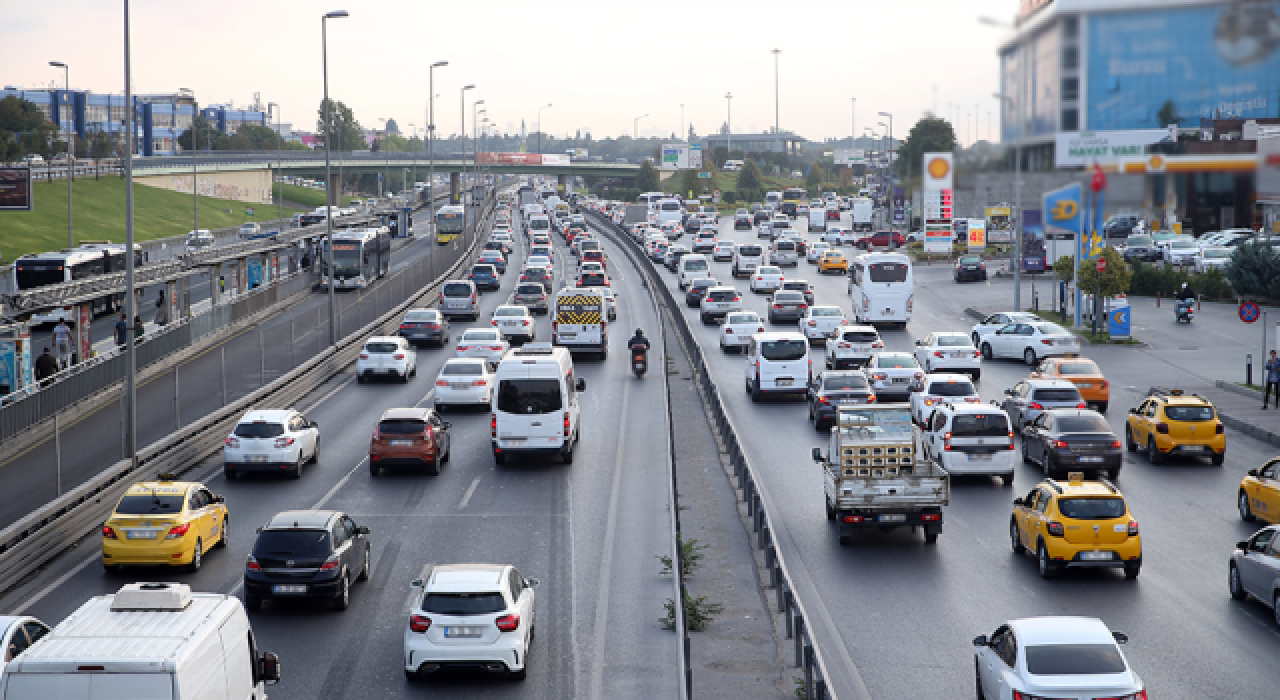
(15, 189)
(1063, 216)
(899, 205)
(999, 224)
(1079, 148)
(937, 238)
(1033, 251)
(1211, 60)
(850, 156)
(977, 235)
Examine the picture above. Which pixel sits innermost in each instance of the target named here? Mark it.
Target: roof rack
(534, 349)
(1174, 393)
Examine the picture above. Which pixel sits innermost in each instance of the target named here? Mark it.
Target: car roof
(1035, 631)
(780, 335)
(949, 377)
(466, 578)
(384, 339)
(406, 413)
(1051, 384)
(966, 407)
(300, 520)
(268, 414)
(171, 487)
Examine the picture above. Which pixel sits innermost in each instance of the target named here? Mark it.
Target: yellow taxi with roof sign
(833, 260)
(1169, 422)
(1259, 496)
(165, 522)
(1076, 524)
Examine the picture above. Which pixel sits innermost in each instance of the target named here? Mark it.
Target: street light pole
(71, 158)
(431, 136)
(636, 127)
(853, 123)
(777, 109)
(683, 135)
(728, 98)
(1017, 205)
(328, 172)
(130, 303)
(474, 142)
(890, 116)
(462, 132)
(279, 162)
(540, 126)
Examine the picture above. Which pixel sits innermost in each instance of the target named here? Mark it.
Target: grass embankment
(306, 195)
(99, 215)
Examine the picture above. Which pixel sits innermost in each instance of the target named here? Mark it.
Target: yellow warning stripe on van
(579, 309)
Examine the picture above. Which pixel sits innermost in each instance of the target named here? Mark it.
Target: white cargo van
(778, 363)
(746, 258)
(535, 404)
(157, 641)
(670, 211)
(817, 219)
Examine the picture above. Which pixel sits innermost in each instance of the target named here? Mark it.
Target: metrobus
(35, 270)
(450, 221)
(882, 288)
(793, 197)
(360, 257)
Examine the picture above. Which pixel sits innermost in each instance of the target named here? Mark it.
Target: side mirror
(447, 425)
(269, 668)
(1252, 472)
(362, 530)
(219, 499)
(817, 454)
(980, 640)
(917, 343)
(1017, 501)
(314, 424)
(582, 385)
(1120, 637)
(1133, 411)
(1008, 392)
(417, 583)
(1242, 545)
(531, 583)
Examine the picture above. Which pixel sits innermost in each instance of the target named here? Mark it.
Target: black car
(742, 219)
(593, 279)
(496, 245)
(674, 253)
(485, 276)
(760, 215)
(540, 275)
(692, 224)
(833, 388)
(307, 554)
(970, 267)
(421, 326)
(1140, 247)
(698, 287)
(1064, 440)
(1120, 226)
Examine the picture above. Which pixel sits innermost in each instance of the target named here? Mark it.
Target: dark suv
(485, 276)
(742, 219)
(307, 554)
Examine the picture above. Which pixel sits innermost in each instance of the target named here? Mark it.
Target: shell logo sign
(938, 168)
(938, 171)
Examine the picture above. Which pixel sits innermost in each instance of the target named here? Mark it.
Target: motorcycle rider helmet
(640, 332)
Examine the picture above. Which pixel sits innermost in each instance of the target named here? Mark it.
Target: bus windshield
(450, 222)
(346, 258)
(888, 272)
(38, 273)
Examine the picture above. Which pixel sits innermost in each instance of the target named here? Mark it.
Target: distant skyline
(597, 64)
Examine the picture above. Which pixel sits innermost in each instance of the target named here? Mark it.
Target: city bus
(360, 257)
(882, 288)
(791, 198)
(35, 270)
(450, 221)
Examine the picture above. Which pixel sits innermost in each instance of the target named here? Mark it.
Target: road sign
(715, 193)
(1250, 312)
(704, 175)
(1102, 264)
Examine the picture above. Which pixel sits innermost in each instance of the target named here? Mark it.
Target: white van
(817, 219)
(746, 258)
(670, 211)
(535, 403)
(778, 363)
(773, 199)
(692, 267)
(578, 321)
(157, 641)
(969, 438)
(539, 223)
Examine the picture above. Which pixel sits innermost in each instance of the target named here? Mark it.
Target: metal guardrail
(50, 529)
(807, 654)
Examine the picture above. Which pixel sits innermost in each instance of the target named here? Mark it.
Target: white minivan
(970, 438)
(157, 641)
(535, 405)
(693, 267)
(746, 258)
(778, 363)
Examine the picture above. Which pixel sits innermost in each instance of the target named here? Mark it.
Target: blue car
(485, 277)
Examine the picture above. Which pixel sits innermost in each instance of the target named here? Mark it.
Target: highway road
(589, 531)
(905, 612)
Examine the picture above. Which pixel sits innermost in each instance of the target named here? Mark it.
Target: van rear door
(530, 409)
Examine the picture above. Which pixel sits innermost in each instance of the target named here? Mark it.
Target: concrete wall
(243, 185)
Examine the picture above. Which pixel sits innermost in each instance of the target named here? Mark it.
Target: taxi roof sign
(166, 477)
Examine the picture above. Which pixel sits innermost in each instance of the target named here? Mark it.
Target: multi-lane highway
(589, 532)
(904, 612)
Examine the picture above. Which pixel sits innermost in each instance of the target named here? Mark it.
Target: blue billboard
(1210, 61)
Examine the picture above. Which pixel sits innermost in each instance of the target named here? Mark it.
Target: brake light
(331, 563)
(977, 354)
(1011, 439)
(931, 517)
(178, 531)
(1060, 444)
(853, 519)
(364, 355)
(284, 442)
(493, 425)
(494, 322)
(877, 344)
(1162, 428)
(729, 331)
(508, 623)
(479, 382)
(441, 382)
(1056, 529)
(879, 376)
(1047, 341)
(946, 441)
(233, 442)
(871, 398)
(937, 353)
(736, 299)
(252, 564)
(777, 306)
(109, 533)
(399, 356)
(566, 424)
(1133, 527)
(419, 623)
(1036, 407)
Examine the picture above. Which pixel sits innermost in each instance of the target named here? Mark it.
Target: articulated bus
(360, 257)
(450, 222)
(36, 270)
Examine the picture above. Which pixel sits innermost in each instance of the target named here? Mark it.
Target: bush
(1254, 270)
(1165, 279)
(730, 197)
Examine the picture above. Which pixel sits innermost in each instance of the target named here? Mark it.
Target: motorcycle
(1184, 311)
(639, 360)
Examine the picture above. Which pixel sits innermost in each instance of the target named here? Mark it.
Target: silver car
(458, 298)
(787, 306)
(1254, 569)
(1030, 397)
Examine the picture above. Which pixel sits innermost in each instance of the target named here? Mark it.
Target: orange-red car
(1083, 372)
(409, 437)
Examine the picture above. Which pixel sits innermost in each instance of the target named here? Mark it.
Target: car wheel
(296, 472)
(1029, 357)
(1153, 454)
(433, 467)
(1233, 583)
(831, 511)
(197, 557)
(977, 682)
(359, 378)
(1014, 540)
(1217, 459)
(1047, 568)
(1026, 457)
(222, 535)
(1131, 569)
(1102, 407)
(755, 390)
(499, 458)
(315, 454)
(986, 351)
(976, 374)
(566, 457)
(342, 601)
(1246, 513)
(252, 603)
(374, 468)
(1006, 479)
(229, 473)
(364, 569)
(1129, 444)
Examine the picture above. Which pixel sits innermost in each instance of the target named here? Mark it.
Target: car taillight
(399, 356)
(946, 441)
(1082, 405)
(1133, 527)
(284, 442)
(508, 623)
(1056, 530)
(233, 442)
(493, 425)
(1103, 384)
(853, 519)
(871, 398)
(252, 564)
(1060, 444)
(937, 353)
(1162, 428)
(419, 623)
(494, 322)
(566, 424)
(1047, 341)
(178, 531)
(877, 344)
(1036, 407)
(441, 382)
(777, 306)
(977, 354)
(931, 517)
(109, 533)
(1011, 439)
(331, 563)
(879, 376)
(364, 355)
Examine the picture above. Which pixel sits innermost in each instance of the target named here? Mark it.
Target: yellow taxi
(1169, 422)
(833, 260)
(1077, 524)
(1084, 373)
(164, 522)
(1260, 493)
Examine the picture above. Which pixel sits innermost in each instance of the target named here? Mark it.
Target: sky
(599, 64)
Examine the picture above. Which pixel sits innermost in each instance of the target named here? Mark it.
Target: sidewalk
(1240, 408)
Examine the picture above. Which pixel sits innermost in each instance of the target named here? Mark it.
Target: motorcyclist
(1186, 293)
(638, 341)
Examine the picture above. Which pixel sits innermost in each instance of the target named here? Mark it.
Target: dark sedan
(970, 268)
(485, 277)
(801, 286)
(307, 554)
(787, 306)
(1140, 248)
(760, 216)
(697, 288)
(421, 326)
(1065, 440)
(834, 388)
(742, 220)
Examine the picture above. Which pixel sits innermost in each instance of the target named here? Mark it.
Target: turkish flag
(1099, 181)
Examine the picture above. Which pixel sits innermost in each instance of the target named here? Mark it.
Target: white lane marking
(341, 482)
(466, 497)
(327, 396)
(425, 398)
(36, 598)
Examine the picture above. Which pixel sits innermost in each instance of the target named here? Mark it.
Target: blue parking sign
(1118, 322)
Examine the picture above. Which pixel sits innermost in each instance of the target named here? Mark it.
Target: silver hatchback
(459, 298)
(787, 306)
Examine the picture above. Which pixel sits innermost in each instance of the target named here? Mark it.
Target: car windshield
(845, 382)
(1217, 253)
(1082, 423)
(1073, 659)
(860, 336)
(785, 245)
(1188, 413)
(401, 427)
(896, 361)
(150, 504)
(529, 396)
(980, 425)
(749, 250)
(970, 260)
(952, 341)
(259, 430)
(1082, 367)
(694, 265)
(744, 318)
(301, 543)
(788, 298)
(457, 289)
(1093, 508)
(766, 270)
(474, 336)
(530, 289)
(951, 388)
(698, 284)
(381, 347)
(421, 316)
(796, 286)
(784, 350)
(462, 369)
(828, 312)
(1056, 395)
(1050, 329)
(482, 270)
(1135, 241)
(888, 272)
(464, 603)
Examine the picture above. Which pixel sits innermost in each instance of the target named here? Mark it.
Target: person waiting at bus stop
(122, 330)
(62, 343)
(46, 366)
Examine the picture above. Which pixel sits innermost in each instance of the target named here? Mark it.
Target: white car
(1181, 251)
(470, 616)
(271, 440)
(591, 268)
(485, 343)
(852, 346)
(819, 322)
(996, 321)
(1057, 657)
(1212, 257)
(1029, 341)
(541, 261)
(723, 251)
(765, 230)
(515, 322)
(952, 352)
(815, 251)
(387, 356)
(737, 329)
(837, 236)
(464, 381)
(766, 278)
(892, 375)
(939, 388)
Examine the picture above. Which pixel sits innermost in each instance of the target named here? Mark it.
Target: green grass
(306, 195)
(1101, 338)
(99, 215)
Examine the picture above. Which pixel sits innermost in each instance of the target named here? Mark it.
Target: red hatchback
(409, 437)
(883, 239)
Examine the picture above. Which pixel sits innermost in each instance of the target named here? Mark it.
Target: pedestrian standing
(162, 310)
(46, 366)
(138, 329)
(62, 343)
(122, 331)
(1273, 380)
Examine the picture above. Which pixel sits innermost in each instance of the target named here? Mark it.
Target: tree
(815, 178)
(23, 129)
(1254, 270)
(347, 134)
(1168, 114)
(1116, 279)
(1064, 268)
(647, 178)
(749, 177)
(251, 137)
(392, 126)
(208, 136)
(929, 135)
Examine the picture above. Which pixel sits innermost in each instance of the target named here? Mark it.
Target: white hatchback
(723, 251)
(386, 356)
(485, 343)
(893, 375)
(819, 322)
(515, 321)
(271, 440)
(766, 278)
(939, 388)
(1058, 657)
(837, 236)
(950, 351)
(737, 329)
(464, 381)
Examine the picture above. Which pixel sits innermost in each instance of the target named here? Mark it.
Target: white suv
(271, 440)
(467, 616)
(388, 356)
(968, 438)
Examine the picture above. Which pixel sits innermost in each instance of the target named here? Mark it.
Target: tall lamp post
(540, 126)
(728, 122)
(475, 123)
(279, 160)
(853, 123)
(636, 127)
(890, 117)
(431, 137)
(71, 158)
(1017, 202)
(413, 134)
(386, 157)
(683, 135)
(462, 132)
(328, 172)
(777, 109)
(130, 303)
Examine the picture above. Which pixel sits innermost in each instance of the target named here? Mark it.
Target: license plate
(844, 401)
(568, 335)
(508, 323)
(463, 632)
(255, 458)
(979, 457)
(892, 518)
(957, 354)
(1091, 459)
(1085, 385)
(900, 380)
(140, 534)
(459, 385)
(455, 306)
(1192, 448)
(289, 589)
(784, 382)
(402, 443)
(1095, 556)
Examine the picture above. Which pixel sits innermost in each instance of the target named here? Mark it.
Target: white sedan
(837, 236)
(1212, 257)
(723, 251)
(1029, 341)
(386, 356)
(515, 322)
(540, 261)
(766, 278)
(1036, 657)
(997, 321)
(485, 343)
(819, 322)
(1181, 251)
(951, 352)
(940, 388)
(466, 381)
(815, 251)
(737, 329)
(892, 374)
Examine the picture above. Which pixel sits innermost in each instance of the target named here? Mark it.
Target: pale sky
(599, 63)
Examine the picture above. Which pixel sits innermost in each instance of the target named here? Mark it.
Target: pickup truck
(875, 475)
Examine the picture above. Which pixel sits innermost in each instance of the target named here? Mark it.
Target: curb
(1268, 436)
(979, 315)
